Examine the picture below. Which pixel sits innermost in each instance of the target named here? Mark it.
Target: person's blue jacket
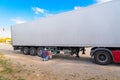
(43, 55)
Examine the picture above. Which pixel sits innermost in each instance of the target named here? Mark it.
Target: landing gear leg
(83, 50)
(77, 53)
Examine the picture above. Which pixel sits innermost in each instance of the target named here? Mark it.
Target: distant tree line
(5, 40)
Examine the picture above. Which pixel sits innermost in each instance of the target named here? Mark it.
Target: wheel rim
(102, 58)
(25, 51)
(39, 52)
(32, 51)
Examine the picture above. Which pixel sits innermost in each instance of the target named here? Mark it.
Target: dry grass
(8, 71)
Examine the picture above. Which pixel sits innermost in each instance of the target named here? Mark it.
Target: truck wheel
(33, 51)
(26, 50)
(39, 51)
(102, 57)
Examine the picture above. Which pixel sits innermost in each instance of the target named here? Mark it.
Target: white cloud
(18, 20)
(38, 10)
(41, 12)
(77, 7)
(102, 1)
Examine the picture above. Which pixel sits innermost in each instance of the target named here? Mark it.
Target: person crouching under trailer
(46, 55)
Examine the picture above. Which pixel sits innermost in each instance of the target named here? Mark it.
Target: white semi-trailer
(96, 26)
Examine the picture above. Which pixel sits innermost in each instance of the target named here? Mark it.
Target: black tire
(102, 57)
(33, 51)
(39, 51)
(26, 50)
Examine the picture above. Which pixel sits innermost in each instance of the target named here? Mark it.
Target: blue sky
(20, 11)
